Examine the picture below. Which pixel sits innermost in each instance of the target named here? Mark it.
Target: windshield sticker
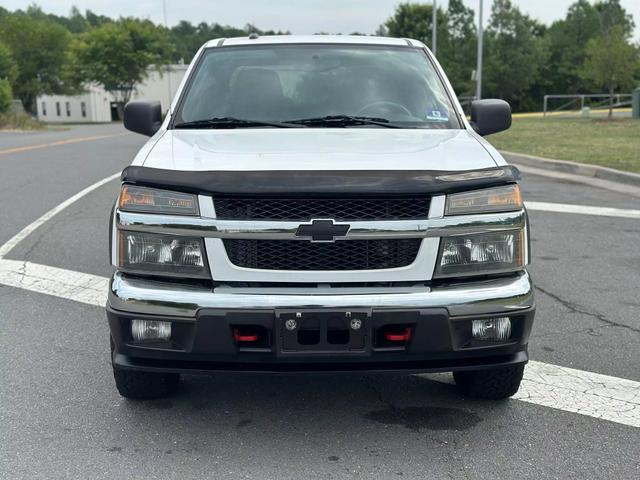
(437, 116)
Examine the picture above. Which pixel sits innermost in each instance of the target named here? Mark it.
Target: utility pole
(164, 14)
(434, 29)
(479, 66)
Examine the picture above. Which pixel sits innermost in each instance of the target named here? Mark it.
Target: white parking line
(577, 391)
(583, 209)
(26, 231)
(553, 386)
(586, 393)
(58, 282)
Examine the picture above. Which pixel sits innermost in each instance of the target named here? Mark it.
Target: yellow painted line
(68, 141)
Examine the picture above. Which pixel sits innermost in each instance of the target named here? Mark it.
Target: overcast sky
(297, 16)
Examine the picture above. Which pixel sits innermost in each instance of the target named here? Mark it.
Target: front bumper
(203, 320)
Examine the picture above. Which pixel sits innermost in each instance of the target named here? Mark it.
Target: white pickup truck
(319, 204)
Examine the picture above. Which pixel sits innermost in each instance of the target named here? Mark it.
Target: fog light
(145, 330)
(491, 329)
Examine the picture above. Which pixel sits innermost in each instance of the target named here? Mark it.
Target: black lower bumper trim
(207, 344)
(427, 366)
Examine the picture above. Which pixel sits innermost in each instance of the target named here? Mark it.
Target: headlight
(481, 254)
(150, 253)
(152, 200)
(498, 199)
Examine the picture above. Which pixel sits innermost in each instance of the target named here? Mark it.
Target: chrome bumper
(152, 297)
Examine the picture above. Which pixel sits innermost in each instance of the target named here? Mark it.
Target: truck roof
(318, 39)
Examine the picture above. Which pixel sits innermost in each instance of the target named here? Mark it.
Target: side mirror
(490, 116)
(142, 117)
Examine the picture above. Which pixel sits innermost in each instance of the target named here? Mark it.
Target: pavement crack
(593, 331)
(22, 271)
(579, 309)
(33, 246)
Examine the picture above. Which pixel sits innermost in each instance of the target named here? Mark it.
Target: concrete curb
(574, 168)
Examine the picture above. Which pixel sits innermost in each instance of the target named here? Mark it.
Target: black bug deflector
(322, 182)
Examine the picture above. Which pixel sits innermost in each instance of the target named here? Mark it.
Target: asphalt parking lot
(61, 416)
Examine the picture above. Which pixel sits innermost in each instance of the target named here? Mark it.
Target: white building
(97, 105)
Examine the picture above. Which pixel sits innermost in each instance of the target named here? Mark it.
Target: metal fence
(594, 101)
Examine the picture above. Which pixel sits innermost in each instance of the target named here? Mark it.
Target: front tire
(144, 385)
(493, 384)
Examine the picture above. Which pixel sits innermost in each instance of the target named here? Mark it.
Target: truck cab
(318, 204)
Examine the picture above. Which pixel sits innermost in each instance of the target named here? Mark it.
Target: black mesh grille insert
(336, 208)
(340, 255)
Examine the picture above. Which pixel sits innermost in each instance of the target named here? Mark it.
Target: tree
(184, 37)
(8, 73)
(413, 20)
(612, 14)
(119, 55)
(514, 54)
(566, 43)
(611, 61)
(514, 50)
(457, 50)
(456, 37)
(8, 66)
(76, 22)
(188, 38)
(5, 95)
(39, 46)
(95, 20)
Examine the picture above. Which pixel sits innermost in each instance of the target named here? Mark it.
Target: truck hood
(318, 149)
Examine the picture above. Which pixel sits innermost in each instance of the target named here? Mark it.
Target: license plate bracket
(319, 332)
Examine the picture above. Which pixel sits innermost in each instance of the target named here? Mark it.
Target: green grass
(610, 143)
(19, 121)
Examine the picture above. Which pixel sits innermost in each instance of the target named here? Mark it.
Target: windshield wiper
(232, 122)
(344, 121)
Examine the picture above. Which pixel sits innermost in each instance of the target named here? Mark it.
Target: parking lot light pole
(434, 28)
(166, 24)
(479, 66)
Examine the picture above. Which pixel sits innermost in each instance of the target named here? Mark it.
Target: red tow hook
(398, 337)
(239, 337)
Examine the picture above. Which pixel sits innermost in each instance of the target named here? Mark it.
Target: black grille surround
(303, 209)
(339, 255)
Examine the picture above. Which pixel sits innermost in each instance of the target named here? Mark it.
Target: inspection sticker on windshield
(437, 116)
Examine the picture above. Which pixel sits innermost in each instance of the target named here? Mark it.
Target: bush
(19, 121)
(5, 95)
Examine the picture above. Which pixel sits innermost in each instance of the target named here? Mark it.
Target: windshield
(284, 83)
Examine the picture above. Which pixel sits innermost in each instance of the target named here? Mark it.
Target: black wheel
(144, 385)
(493, 384)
